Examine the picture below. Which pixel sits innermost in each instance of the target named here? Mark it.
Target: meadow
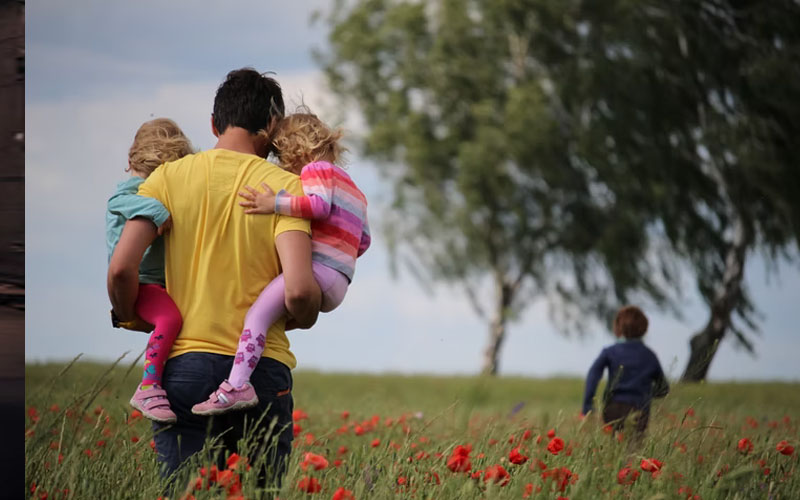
(369, 436)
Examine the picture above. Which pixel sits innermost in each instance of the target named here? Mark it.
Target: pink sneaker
(227, 398)
(153, 404)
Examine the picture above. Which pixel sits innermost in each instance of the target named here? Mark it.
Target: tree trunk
(704, 344)
(497, 327)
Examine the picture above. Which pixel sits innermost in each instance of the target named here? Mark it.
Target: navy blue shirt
(634, 375)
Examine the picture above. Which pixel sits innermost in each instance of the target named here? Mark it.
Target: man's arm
(302, 292)
(123, 270)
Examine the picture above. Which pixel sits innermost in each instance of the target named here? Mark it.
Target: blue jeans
(190, 378)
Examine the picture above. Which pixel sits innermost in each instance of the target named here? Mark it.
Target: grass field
(400, 437)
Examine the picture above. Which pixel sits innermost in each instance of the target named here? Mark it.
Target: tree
(582, 151)
(489, 192)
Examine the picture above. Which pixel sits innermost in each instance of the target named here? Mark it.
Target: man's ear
(213, 128)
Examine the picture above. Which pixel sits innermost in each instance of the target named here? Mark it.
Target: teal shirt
(125, 204)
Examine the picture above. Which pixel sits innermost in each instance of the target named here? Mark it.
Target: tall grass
(391, 437)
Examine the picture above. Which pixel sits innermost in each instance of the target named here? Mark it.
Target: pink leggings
(270, 307)
(155, 306)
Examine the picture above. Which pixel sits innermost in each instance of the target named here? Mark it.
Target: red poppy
(745, 446)
(298, 415)
(526, 493)
(317, 462)
(375, 443)
(551, 433)
(345, 416)
(309, 485)
(555, 445)
(517, 458)
(526, 435)
(401, 480)
(626, 476)
(459, 459)
(497, 474)
(784, 448)
(651, 465)
(296, 430)
(343, 494)
(561, 476)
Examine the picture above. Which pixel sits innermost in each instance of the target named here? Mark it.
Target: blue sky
(97, 70)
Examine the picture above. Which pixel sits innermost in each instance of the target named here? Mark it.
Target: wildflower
(342, 450)
(745, 446)
(296, 430)
(309, 485)
(651, 465)
(308, 438)
(526, 492)
(526, 435)
(517, 458)
(343, 494)
(54, 408)
(627, 476)
(345, 416)
(375, 443)
(318, 462)
(134, 439)
(561, 476)
(299, 415)
(784, 448)
(690, 411)
(551, 433)
(497, 474)
(555, 445)
(402, 480)
(235, 460)
(459, 459)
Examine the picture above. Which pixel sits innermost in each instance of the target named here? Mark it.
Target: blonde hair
(156, 142)
(302, 138)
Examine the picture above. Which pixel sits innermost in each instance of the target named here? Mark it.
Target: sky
(96, 70)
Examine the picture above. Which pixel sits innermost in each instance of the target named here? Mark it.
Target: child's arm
(592, 379)
(365, 239)
(660, 384)
(317, 180)
(130, 205)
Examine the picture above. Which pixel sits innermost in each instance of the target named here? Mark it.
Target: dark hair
(247, 99)
(630, 322)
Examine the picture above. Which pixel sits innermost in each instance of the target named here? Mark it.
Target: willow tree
(467, 113)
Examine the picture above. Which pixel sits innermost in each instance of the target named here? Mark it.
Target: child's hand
(258, 202)
(166, 226)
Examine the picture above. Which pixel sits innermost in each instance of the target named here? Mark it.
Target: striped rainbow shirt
(338, 213)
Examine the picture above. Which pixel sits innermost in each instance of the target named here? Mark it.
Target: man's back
(218, 258)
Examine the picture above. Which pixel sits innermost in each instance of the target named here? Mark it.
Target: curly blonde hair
(302, 138)
(156, 142)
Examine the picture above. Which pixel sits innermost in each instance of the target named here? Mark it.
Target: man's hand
(136, 324)
(258, 202)
(166, 226)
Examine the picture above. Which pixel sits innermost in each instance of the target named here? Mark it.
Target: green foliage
(417, 422)
(589, 151)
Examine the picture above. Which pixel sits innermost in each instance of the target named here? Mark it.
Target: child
(338, 213)
(156, 142)
(634, 373)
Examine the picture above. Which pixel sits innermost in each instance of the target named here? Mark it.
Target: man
(217, 262)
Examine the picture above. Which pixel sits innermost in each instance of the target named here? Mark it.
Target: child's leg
(156, 307)
(268, 308)
(332, 284)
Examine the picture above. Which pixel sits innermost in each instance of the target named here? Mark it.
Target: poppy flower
(299, 415)
(343, 494)
(784, 448)
(497, 474)
(517, 458)
(745, 446)
(526, 435)
(651, 465)
(459, 459)
(555, 445)
(375, 443)
(551, 433)
(317, 462)
(626, 476)
(345, 416)
(561, 476)
(309, 485)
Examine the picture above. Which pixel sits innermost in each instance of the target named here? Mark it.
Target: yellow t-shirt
(218, 259)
